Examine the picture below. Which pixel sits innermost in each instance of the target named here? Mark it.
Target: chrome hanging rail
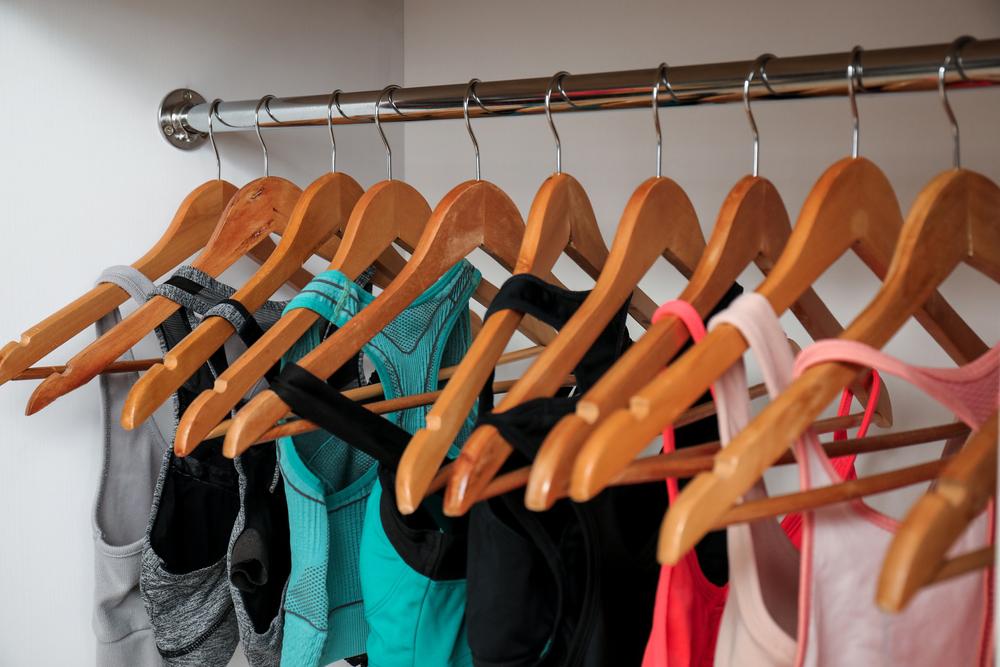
(183, 114)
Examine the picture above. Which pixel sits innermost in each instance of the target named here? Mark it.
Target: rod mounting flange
(169, 118)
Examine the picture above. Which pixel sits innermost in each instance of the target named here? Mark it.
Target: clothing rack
(183, 114)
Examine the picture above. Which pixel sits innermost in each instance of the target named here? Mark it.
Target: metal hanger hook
(213, 111)
(855, 72)
(954, 54)
(256, 126)
(334, 100)
(757, 68)
(556, 80)
(661, 79)
(378, 126)
(470, 91)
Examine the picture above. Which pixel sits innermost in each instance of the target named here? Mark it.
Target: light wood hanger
(296, 426)
(474, 214)
(919, 550)
(256, 210)
(191, 227)
(561, 220)
(320, 213)
(852, 207)
(658, 220)
(389, 211)
(955, 219)
(752, 227)
(692, 460)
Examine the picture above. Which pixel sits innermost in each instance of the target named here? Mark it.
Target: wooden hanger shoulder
(752, 227)
(920, 546)
(189, 230)
(388, 212)
(851, 207)
(473, 214)
(936, 238)
(257, 209)
(658, 220)
(561, 219)
(320, 212)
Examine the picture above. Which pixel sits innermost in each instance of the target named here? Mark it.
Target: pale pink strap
(690, 318)
(969, 391)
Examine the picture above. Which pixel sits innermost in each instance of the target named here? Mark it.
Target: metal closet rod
(882, 71)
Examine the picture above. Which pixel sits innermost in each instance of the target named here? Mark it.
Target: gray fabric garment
(122, 504)
(192, 611)
(262, 649)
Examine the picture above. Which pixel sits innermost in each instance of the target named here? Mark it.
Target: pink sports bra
(833, 580)
(688, 606)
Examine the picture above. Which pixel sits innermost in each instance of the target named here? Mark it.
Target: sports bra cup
(130, 466)
(971, 393)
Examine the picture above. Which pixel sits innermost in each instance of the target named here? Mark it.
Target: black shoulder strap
(315, 400)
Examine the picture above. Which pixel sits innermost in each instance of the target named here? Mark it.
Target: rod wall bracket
(169, 117)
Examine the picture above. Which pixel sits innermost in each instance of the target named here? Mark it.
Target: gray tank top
(134, 462)
(131, 462)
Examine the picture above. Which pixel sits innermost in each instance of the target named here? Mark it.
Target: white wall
(83, 191)
(88, 182)
(707, 149)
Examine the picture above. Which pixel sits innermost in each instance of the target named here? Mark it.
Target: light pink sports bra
(688, 606)
(833, 581)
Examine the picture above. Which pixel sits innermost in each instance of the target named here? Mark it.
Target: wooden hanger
(752, 226)
(658, 220)
(561, 219)
(257, 209)
(189, 230)
(852, 207)
(473, 214)
(689, 461)
(955, 219)
(390, 211)
(321, 211)
(919, 551)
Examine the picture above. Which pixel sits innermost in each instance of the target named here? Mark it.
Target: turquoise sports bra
(353, 588)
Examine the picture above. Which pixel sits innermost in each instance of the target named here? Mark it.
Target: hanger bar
(297, 426)
(42, 372)
(885, 70)
(689, 461)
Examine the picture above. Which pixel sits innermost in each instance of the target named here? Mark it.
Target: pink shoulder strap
(687, 314)
(969, 391)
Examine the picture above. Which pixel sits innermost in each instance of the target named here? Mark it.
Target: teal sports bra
(352, 588)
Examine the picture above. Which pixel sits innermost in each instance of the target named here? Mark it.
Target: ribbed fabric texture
(328, 482)
(124, 496)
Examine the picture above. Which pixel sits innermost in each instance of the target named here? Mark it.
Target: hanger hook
(378, 126)
(553, 82)
(954, 54)
(757, 68)
(213, 111)
(334, 99)
(256, 126)
(661, 79)
(470, 91)
(855, 72)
